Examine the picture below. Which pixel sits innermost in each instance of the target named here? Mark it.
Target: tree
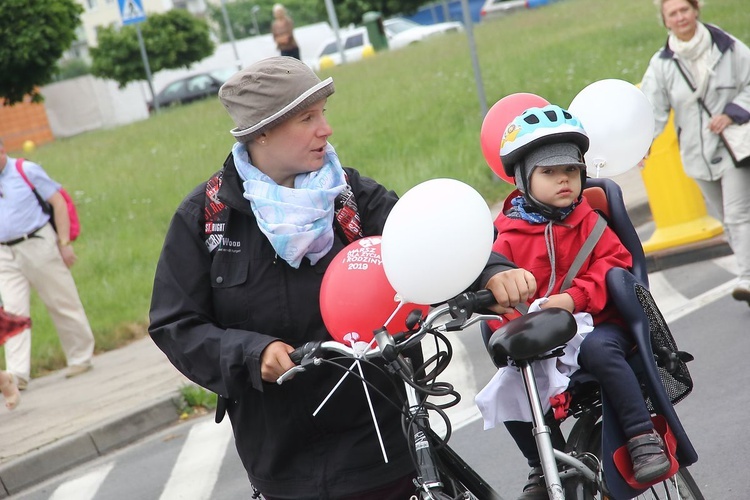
(351, 11)
(172, 40)
(33, 36)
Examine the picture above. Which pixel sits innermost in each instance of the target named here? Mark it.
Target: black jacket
(213, 318)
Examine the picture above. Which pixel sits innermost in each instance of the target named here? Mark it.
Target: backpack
(215, 213)
(75, 224)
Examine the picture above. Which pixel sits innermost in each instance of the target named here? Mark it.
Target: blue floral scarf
(297, 221)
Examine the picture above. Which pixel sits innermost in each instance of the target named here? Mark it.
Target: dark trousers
(603, 354)
(291, 52)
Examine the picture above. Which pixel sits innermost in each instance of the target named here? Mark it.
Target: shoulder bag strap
(46, 207)
(19, 167)
(583, 253)
(689, 84)
(703, 105)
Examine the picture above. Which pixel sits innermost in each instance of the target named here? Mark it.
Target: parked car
(401, 32)
(192, 88)
(356, 43)
(493, 9)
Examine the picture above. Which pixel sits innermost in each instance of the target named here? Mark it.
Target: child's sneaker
(534, 489)
(648, 456)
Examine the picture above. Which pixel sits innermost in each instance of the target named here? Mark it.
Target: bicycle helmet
(542, 136)
(535, 127)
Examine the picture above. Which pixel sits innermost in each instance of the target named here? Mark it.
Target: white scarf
(695, 54)
(297, 221)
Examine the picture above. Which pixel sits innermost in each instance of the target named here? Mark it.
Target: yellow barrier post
(676, 202)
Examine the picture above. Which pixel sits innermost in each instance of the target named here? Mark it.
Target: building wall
(107, 12)
(24, 121)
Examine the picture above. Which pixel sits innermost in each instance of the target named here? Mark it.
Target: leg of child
(603, 353)
(9, 389)
(522, 434)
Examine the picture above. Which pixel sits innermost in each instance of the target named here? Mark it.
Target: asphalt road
(196, 460)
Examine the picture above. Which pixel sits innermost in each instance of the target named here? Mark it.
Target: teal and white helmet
(536, 127)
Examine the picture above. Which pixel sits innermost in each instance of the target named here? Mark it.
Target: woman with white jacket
(700, 69)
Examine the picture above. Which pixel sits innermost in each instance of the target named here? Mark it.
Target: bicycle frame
(548, 455)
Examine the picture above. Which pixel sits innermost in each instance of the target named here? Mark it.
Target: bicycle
(441, 473)
(586, 468)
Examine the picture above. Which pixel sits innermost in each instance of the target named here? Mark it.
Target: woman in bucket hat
(237, 288)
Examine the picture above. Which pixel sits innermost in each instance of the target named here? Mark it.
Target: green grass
(401, 117)
(195, 400)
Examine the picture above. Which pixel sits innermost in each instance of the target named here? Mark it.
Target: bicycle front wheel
(680, 486)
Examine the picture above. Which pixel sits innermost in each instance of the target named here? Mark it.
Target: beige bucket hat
(270, 91)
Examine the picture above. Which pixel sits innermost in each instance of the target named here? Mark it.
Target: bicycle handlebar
(461, 309)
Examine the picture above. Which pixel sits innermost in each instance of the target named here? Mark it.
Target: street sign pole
(469, 28)
(132, 12)
(144, 56)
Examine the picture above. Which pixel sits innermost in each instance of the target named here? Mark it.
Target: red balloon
(356, 297)
(495, 123)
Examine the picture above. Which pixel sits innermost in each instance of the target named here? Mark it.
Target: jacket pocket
(227, 280)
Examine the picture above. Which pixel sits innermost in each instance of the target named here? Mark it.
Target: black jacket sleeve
(182, 318)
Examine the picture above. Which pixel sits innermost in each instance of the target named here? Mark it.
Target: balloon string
(369, 403)
(401, 304)
(341, 381)
(372, 411)
(599, 164)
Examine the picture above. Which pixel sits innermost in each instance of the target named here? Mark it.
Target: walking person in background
(34, 254)
(703, 75)
(10, 324)
(282, 29)
(228, 307)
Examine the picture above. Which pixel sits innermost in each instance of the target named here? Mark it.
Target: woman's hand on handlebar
(274, 360)
(511, 288)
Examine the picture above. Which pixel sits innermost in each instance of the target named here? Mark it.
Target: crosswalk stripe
(197, 468)
(84, 487)
(700, 301)
(666, 296)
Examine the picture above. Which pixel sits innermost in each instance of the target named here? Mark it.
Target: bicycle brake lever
(289, 374)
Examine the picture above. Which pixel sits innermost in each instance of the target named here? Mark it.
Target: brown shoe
(75, 370)
(742, 291)
(648, 456)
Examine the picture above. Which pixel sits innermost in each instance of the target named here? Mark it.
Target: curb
(71, 451)
(688, 254)
(640, 215)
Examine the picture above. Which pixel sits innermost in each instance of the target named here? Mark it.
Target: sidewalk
(131, 392)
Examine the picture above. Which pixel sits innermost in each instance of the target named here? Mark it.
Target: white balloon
(436, 241)
(619, 121)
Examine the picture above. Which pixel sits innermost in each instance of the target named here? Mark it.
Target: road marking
(700, 301)
(84, 487)
(197, 468)
(666, 296)
(672, 304)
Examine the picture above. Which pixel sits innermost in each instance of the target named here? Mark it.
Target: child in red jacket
(542, 228)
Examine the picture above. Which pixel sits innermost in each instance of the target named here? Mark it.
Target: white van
(355, 42)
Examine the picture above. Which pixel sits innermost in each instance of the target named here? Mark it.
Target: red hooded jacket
(524, 244)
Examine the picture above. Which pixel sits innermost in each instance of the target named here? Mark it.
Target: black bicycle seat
(531, 336)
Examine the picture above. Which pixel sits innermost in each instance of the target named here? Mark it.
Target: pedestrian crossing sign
(132, 11)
